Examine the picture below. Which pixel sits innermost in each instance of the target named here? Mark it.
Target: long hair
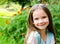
(30, 24)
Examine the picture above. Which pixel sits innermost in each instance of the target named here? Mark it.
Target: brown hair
(30, 20)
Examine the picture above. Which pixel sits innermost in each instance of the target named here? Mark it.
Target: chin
(41, 28)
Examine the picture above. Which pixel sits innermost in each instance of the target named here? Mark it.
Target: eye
(44, 16)
(36, 18)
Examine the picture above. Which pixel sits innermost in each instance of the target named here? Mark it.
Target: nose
(40, 21)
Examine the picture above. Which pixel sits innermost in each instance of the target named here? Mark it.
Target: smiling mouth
(41, 24)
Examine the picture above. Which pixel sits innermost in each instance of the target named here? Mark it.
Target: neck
(43, 34)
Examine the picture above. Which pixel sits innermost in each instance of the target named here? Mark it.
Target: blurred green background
(13, 19)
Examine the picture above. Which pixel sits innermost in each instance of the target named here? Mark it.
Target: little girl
(40, 27)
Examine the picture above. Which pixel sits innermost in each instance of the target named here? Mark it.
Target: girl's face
(40, 19)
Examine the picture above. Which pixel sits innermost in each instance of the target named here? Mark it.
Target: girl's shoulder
(34, 33)
(50, 38)
(50, 34)
(32, 38)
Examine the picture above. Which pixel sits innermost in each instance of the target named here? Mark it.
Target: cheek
(35, 22)
(46, 20)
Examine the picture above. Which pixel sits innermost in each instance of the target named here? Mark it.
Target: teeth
(41, 25)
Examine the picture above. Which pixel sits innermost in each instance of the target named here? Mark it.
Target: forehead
(39, 13)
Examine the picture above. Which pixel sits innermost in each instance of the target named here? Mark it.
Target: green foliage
(3, 2)
(55, 10)
(17, 28)
(4, 13)
(3, 21)
(22, 2)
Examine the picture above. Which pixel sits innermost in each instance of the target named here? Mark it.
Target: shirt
(34, 38)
